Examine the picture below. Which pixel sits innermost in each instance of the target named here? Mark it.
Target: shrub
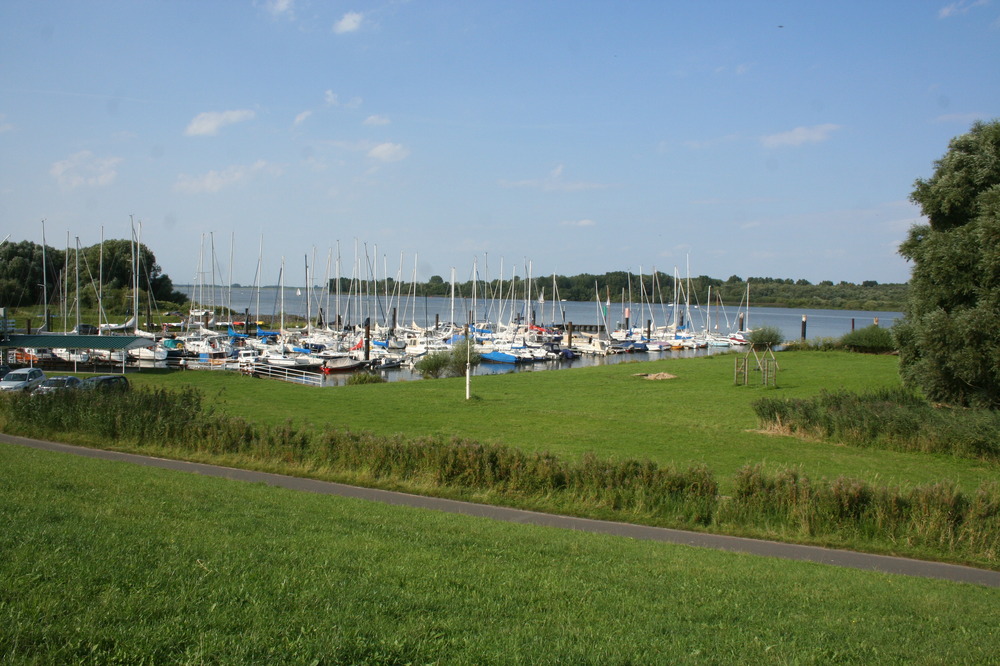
(765, 336)
(894, 419)
(365, 378)
(449, 363)
(870, 340)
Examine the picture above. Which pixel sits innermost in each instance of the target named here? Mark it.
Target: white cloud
(376, 120)
(799, 136)
(388, 152)
(960, 7)
(4, 125)
(578, 223)
(213, 181)
(302, 117)
(210, 122)
(553, 183)
(333, 99)
(350, 22)
(84, 168)
(279, 7)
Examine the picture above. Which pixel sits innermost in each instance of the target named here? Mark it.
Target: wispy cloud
(280, 7)
(302, 117)
(210, 122)
(377, 120)
(333, 99)
(349, 22)
(553, 183)
(389, 152)
(960, 7)
(4, 125)
(578, 223)
(799, 136)
(85, 169)
(213, 181)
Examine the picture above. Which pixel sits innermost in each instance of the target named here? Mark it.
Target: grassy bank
(699, 417)
(106, 563)
(936, 520)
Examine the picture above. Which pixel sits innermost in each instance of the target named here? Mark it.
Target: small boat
(343, 364)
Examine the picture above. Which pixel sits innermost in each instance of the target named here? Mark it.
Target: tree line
(30, 274)
(623, 286)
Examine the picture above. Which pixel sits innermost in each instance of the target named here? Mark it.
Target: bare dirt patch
(657, 375)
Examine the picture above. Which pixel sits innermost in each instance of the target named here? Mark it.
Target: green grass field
(113, 563)
(698, 417)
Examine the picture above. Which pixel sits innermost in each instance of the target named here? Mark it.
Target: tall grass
(936, 518)
(895, 419)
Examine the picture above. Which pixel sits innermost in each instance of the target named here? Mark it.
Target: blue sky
(776, 139)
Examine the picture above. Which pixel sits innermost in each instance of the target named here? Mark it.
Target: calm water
(266, 304)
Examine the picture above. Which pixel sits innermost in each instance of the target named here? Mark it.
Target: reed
(895, 419)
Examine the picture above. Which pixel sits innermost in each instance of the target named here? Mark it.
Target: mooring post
(569, 334)
(649, 329)
(741, 322)
(852, 324)
(368, 340)
(803, 327)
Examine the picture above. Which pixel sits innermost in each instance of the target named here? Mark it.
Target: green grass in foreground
(107, 562)
(699, 417)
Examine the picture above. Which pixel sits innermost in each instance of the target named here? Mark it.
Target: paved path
(843, 558)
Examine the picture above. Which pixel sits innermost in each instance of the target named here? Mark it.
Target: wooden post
(852, 324)
(803, 327)
(649, 329)
(368, 340)
(569, 332)
(741, 322)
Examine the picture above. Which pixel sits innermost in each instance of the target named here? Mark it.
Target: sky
(414, 137)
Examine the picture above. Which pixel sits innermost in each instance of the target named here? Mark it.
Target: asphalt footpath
(840, 558)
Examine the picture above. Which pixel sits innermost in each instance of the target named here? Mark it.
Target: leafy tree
(949, 341)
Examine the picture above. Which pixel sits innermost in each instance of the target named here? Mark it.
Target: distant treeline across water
(624, 287)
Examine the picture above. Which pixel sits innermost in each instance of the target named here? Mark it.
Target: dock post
(803, 327)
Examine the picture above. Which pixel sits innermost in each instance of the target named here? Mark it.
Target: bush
(765, 337)
(895, 419)
(869, 340)
(365, 378)
(449, 363)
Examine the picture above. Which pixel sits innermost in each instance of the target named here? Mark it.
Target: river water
(267, 303)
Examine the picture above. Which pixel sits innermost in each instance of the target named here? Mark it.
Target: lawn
(700, 416)
(113, 563)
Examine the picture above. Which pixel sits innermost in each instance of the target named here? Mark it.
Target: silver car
(23, 379)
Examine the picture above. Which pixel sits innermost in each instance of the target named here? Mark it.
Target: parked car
(23, 379)
(105, 383)
(61, 383)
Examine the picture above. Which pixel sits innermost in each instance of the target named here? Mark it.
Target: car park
(60, 383)
(22, 379)
(105, 383)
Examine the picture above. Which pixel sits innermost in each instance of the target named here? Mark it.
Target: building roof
(56, 341)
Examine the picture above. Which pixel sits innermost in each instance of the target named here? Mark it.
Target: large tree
(949, 341)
